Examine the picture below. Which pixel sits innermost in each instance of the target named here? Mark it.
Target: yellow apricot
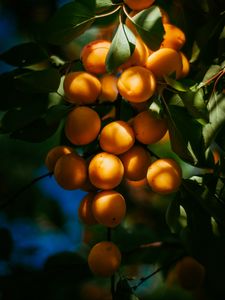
(148, 127)
(173, 38)
(93, 56)
(82, 125)
(116, 137)
(164, 62)
(164, 176)
(54, 154)
(139, 56)
(85, 210)
(81, 87)
(109, 208)
(139, 4)
(109, 91)
(70, 171)
(136, 84)
(185, 65)
(104, 259)
(135, 161)
(105, 171)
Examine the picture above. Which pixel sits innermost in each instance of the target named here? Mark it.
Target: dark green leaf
(149, 25)
(209, 202)
(35, 132)
(173, 214)
(43, 81)
(70, 21)
(185, 135)
(216, 108)
(122, 47)
(213, 70)
(24, 55)
(56, 113)
(124, 291)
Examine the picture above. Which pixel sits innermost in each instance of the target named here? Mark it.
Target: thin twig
(22, 190)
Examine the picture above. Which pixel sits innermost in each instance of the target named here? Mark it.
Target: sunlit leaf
(149, 25)
(122, 47)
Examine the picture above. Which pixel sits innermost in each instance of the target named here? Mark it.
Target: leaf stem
(108, 13)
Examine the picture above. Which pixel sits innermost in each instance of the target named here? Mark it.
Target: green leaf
(124, 291)
(56, 113)
(186, 135)
(43, 81)
(16, 118)
(209, 202)
(177, 85)
(213, 70)
(195, 104)
(35, 132)
(70, 21)
(122, 47)
(24, 55)
(173, 214)
(149, 25)
(216, 108)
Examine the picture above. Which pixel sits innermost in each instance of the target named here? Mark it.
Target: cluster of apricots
(123, 151)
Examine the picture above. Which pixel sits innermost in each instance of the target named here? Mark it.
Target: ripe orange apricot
(70, 171)
(164, 176)
(139, 56)
(164, 62)
(54, 154)
(85, 210)
(93, 56)
(109, 91)
(136, 84)
(109, 208)
(135, 161)
(189, 273)
(116, 137)
(148, 127)
(105, 171)
(104, 259)
(81, 87)
(173, 38)
(185, 65)
(139, 4)
(82, 125)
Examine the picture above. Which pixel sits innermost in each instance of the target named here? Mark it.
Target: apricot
(185, 65)
(173, 38)
(139, 4)
(85, 210)
(109, 91)
(135, 161)
(164, 176)
(136, 84)
(148, 127)
(70, 171)
(164, 62)
(104, 259)
(54, 154)
(189, 273)
(105, 171)
(82, 125)
(109, 208)
(139, 56)
(116, 137)
(81, 87)
(93, 56)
